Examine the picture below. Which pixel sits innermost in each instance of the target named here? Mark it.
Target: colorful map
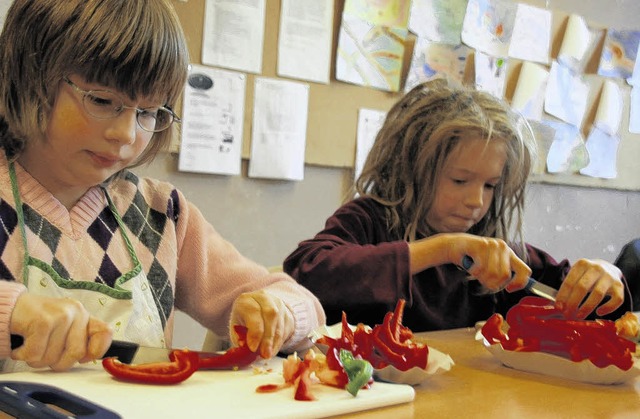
(432, 59)
(379, 12)
(619, 53)
(370, 55)
(438, 20)
(488, 25)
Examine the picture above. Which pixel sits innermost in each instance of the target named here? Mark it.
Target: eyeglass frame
(122, 107)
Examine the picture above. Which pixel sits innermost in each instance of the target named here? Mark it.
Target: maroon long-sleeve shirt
(356, 265)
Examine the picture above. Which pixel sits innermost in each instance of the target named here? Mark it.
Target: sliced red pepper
(347, 333)
(234, 358)
(303, 384)
(364, 347)
(536, 325)
(183, 363)
(492, 329)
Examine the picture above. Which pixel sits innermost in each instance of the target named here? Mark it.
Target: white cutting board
(219, 394)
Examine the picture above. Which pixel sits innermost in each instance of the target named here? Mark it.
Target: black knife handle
(16, 341)
(124, 351)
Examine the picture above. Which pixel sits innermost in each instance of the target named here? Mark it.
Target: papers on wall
(4, 7)
(567, 153)
(543, 135)
(528, 97)
(371, 43)
(438, 20)
(380, 12)
(279, 129)
(578, 43)
(566, 95)
(212, 121)
(609, 112)
(634, 110)
(233, 34)
(603, 151)
(531, 35)
(305, 25)
(634, 80)
(619, 53)
(369, 123)
(491, 73)
(433, 59)
(488, 25)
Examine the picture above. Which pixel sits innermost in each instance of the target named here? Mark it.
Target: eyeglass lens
(105, 104)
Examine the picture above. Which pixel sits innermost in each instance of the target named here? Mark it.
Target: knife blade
(533, 286)
(129, 352)
(541, 290)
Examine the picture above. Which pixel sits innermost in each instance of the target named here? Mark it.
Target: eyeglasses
(103, 104)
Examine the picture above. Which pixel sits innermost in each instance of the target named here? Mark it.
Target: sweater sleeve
(9, 293)
(212, 274)
(353, 260)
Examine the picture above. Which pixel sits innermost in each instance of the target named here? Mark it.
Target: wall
(266, 219)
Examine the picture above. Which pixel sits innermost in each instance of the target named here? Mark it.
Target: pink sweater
(189, 265)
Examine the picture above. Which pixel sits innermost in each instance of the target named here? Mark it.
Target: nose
(123, 127)
(475, 196)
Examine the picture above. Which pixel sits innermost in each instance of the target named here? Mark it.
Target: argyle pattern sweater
(189, 266)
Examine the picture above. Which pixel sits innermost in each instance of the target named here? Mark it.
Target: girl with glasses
(90, 252)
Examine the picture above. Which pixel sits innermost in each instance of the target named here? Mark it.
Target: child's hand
(593, 279)
(495, 265)
(268, 320)
(57, 332)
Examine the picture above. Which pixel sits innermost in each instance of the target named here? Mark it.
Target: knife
(129, 352)
(533, 286)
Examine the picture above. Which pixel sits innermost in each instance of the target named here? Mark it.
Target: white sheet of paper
(370, 55)
(603, 155)
(488, 25)
(304, 42)
(531, 35)
(438, 20)
(634, 80)
(609, 113)
(369, 123)
(4, 7)
(566, 95)
(491, 73)
(279, 129)
(528, 97)
(212, 121)
(433, 59)
(619, 53)
(233, 34)
(634, 110)
(577, 41)
(567, 153)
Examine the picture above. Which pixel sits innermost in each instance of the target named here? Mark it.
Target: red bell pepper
(389, 343)
(234, 358)
(536, 325)
(183, 363)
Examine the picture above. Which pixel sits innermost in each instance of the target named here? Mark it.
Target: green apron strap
(20, 213)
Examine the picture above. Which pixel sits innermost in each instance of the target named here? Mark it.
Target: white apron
(129, 307)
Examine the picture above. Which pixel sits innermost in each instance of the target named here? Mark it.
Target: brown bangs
(138, 60)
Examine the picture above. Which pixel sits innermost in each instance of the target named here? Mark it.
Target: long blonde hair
(135, 46)
(406, 160)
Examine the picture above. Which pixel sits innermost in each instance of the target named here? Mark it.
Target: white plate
(557, 366)
(437, 362)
